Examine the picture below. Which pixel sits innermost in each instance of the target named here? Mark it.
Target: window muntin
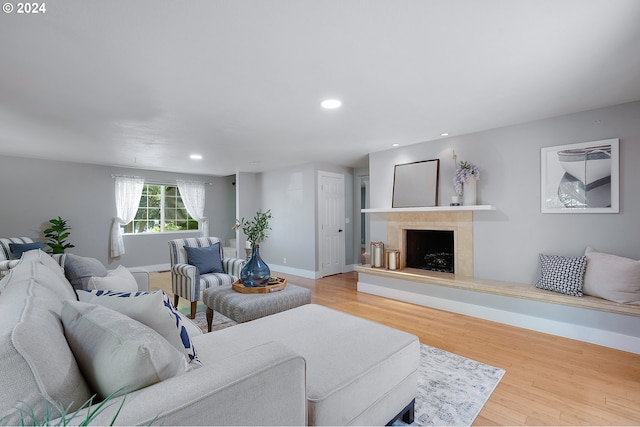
(161, 210)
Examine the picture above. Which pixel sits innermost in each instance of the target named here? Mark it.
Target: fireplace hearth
(431, 250)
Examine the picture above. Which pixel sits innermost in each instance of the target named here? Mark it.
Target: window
(161, 210)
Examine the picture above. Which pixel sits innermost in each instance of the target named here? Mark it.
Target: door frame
(321, 252)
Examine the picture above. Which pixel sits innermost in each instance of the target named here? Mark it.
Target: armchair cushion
(17, 249)
(116, 354)
(207, 259)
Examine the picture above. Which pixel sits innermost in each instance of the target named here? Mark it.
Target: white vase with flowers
(465, 181)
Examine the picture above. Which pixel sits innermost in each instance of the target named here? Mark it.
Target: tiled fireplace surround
(460, 222)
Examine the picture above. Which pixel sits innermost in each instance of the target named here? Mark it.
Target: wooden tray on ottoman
(277, 285)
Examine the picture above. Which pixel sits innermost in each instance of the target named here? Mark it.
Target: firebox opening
(430, 250)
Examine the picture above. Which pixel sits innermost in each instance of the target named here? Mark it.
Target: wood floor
(549, 380)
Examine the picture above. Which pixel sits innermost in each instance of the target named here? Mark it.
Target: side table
(242, 307)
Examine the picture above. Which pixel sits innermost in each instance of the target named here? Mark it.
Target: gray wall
(291, 194)
(507, 241)
(33, 191)
(248, 203)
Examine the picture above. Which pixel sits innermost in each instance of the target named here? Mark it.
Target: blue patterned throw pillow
(562, 274)
(153, 309)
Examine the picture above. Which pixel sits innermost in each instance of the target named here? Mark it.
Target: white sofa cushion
(119, 279)
(79, 270)
(612, 277)
(153, 309)
(117, 354)
(52, 276)
(39, 372)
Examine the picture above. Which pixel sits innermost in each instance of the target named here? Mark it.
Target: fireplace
(431, 250)
(460, 223)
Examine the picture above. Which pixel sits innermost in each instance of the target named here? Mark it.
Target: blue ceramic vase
(256, 272)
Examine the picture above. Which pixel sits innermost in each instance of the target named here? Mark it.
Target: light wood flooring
(549, 380)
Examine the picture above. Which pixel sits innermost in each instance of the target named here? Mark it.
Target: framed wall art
(416, 184)
(580, 178)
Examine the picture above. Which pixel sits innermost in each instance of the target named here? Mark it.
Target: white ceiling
(145, 83)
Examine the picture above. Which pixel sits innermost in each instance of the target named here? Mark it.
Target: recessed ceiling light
(196, 157)
(331, 104)
(444, 134)
(395, 145)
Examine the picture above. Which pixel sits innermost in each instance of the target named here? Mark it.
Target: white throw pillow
(119, 279)
(612, 277)
(153, 309)
(117, 354)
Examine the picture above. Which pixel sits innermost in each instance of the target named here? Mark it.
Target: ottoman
(245, 307)
(359, 372)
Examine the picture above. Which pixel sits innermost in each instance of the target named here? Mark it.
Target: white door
(332, 221)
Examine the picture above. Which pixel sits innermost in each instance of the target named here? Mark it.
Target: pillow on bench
(562, 274)
(612, 277)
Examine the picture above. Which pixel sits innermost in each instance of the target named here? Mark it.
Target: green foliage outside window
(161, 209)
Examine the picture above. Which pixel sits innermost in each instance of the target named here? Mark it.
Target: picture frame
(416, 184)
(580, 178)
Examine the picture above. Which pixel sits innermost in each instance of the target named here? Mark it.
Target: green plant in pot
(256, 272)
(57, 235)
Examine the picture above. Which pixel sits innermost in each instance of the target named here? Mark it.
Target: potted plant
(256, 272)
(465, 182)
(57, 235)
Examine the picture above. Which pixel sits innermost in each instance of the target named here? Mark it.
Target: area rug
(451, 389)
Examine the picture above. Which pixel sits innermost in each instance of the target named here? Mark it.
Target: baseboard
(293, 271)
(540, 324)
(305, 273)
(157, 267)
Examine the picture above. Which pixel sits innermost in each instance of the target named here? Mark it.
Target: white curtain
(128, 192)
(193, 195)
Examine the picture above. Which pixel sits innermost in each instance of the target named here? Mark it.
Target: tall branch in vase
(256, 272)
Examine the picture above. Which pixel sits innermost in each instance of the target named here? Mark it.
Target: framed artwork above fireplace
(416, 184)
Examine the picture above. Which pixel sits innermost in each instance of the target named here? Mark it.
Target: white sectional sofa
(309, 365)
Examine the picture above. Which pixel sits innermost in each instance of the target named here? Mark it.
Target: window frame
(162, 208)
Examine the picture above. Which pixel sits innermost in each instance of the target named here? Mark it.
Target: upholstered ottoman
(245, 307)
(358, 371)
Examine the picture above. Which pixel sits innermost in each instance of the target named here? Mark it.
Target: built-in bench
(518, 290)
(586, 318)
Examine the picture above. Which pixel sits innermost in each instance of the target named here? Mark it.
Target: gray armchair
(186, 280)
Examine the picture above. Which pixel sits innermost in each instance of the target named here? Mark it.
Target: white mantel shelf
(432, 209)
